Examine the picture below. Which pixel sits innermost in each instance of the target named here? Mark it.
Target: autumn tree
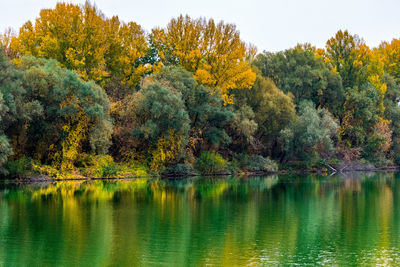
(82, 39)
(348, 55)
(127, 47)
(363, 72)
(213, 52)
(391, 57)
(356, 63)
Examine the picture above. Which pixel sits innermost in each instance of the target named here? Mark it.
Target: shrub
(210, 163)
(257, 163)
(233, 166)
(178, 169)
(270, 165)
(18, 168)
(108, 171)
(102, 166)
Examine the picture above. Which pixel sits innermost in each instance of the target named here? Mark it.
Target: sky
(271, 25)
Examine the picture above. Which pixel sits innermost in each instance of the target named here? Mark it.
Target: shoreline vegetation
(351, 167)
(85, 96)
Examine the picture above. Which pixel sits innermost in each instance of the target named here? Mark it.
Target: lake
(350, 219)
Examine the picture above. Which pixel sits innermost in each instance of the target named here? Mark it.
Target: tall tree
(347, 53)
(213, 52)
(82, 39)
(391, 57)
(304, 75)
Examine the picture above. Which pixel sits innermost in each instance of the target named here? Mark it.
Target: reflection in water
(234, 221)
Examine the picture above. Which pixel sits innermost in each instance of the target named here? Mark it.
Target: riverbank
(135, 173)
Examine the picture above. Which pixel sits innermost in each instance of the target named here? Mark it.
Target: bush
(18, 168)
(256, 163)
(102, 166)
(210, 163)
(233, 166)
(107, 171)
(178, 169)
(270, 165)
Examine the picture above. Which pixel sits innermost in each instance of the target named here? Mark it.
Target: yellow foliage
(54, 172)
(347, 123)
(76, 131)
(376, 72)
(213, 52)
(72, 144)
(204, 77)
(82, 39)
(382, 128)
(390, 55)
(167, 150)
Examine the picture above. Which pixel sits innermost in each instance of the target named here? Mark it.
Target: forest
(85, 95)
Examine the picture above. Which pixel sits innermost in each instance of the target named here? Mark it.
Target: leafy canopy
(213, 52)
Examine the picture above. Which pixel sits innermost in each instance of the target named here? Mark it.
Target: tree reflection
(199, 221)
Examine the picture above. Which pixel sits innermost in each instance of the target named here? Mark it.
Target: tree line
(78, 89)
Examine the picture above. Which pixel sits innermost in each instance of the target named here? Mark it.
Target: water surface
(259, 221)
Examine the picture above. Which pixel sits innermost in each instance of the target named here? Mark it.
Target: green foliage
(208, 115)
(210, 163)
(67, 99)
(5, 149)
(11, 93)
(11, 103)
(273, 110)
(43, 106)
(233, 166)
(361, 114)
(345, 51)
(311, 135)
(304, 75)
(162, 124)
(18, 168)
(160, 111)
(108, 171)
(243, 128)
(372, 150)
(392, 113)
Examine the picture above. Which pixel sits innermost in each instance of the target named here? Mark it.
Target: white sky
(271, 25)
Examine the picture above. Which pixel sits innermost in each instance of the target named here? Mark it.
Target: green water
(275, 220)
